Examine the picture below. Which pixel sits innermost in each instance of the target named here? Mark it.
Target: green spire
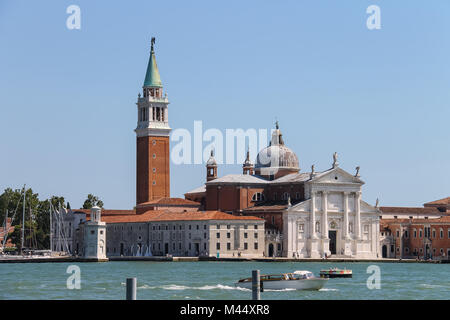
(152, 78)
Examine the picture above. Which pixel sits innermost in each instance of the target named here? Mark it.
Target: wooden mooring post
(131, 288)
(256, 285)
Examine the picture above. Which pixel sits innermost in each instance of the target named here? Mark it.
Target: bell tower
(152, 137)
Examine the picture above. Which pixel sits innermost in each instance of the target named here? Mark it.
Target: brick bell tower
(152, 137)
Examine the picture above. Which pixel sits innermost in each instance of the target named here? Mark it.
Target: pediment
(302, 206)
(365, 207)
(336, 176)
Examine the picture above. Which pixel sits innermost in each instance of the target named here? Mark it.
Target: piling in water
(131, 288)
(255, 285)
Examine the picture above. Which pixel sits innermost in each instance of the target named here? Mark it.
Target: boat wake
(328, 289)
(180, 287)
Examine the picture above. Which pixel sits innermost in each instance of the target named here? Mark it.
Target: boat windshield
(302, 275)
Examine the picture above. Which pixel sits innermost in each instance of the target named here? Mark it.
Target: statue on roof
(357, 171)
(335, 161)
(152, 43)
(313, 172)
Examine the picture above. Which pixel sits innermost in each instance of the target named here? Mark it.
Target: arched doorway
(384, 251)
(270, 250)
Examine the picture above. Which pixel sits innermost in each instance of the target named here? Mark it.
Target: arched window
(317, 226)
(258, 196)
(285, 196)
(350, 227)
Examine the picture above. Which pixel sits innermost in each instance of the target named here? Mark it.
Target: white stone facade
(332, 221)
(223, 238)
(95, 236)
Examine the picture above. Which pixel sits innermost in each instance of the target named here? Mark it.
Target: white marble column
(358, 214)
(313, 216)
(345, 233)
(325, 215)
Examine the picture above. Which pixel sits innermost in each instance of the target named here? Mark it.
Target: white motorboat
(298, 280)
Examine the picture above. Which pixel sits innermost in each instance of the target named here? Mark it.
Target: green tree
(92, 201)
(37, 219)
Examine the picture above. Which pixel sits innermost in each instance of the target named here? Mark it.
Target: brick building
(422, 233)
(159, 224)
(275, 190)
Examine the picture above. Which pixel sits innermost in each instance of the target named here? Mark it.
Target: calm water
(215, 280)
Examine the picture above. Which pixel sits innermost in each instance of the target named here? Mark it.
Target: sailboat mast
(23, 220)
(6, 230)
(51, 227)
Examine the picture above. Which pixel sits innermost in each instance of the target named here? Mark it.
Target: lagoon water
(215, 280)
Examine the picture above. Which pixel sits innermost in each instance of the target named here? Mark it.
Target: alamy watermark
(374, 280)
(374, 20)
(74, 280)
(229, 148)
(74, 20)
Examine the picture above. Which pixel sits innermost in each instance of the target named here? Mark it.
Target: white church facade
(334, 220)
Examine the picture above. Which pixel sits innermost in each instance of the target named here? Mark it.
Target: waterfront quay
(27, 259)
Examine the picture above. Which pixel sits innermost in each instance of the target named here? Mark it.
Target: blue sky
(380, 98)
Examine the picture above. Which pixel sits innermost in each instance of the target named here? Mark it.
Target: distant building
(307, 215)
(409, 232)
(94, 236)
(5, 230)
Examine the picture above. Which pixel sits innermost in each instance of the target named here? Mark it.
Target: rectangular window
(245, 245)
(218, 235)
(218, 245)
(245, 235)
(256, 245)
(256, 226)
(228, 235)
(256, 235)
(228, 246)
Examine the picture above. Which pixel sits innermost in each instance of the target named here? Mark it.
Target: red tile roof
(444, 219)
(107, 212)
(170, 201)
(410, 210)
(160, 215)
(267, 208)
(444, 201)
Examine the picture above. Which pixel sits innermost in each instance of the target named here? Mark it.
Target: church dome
(278, 156)
(276, 159)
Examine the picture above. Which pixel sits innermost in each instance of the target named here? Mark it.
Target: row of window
(255, 246)
(190, 227)
(427, 233)
(259, 196)
(229, 235)
(420, 250)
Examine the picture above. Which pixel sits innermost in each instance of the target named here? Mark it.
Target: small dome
(211, 161)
